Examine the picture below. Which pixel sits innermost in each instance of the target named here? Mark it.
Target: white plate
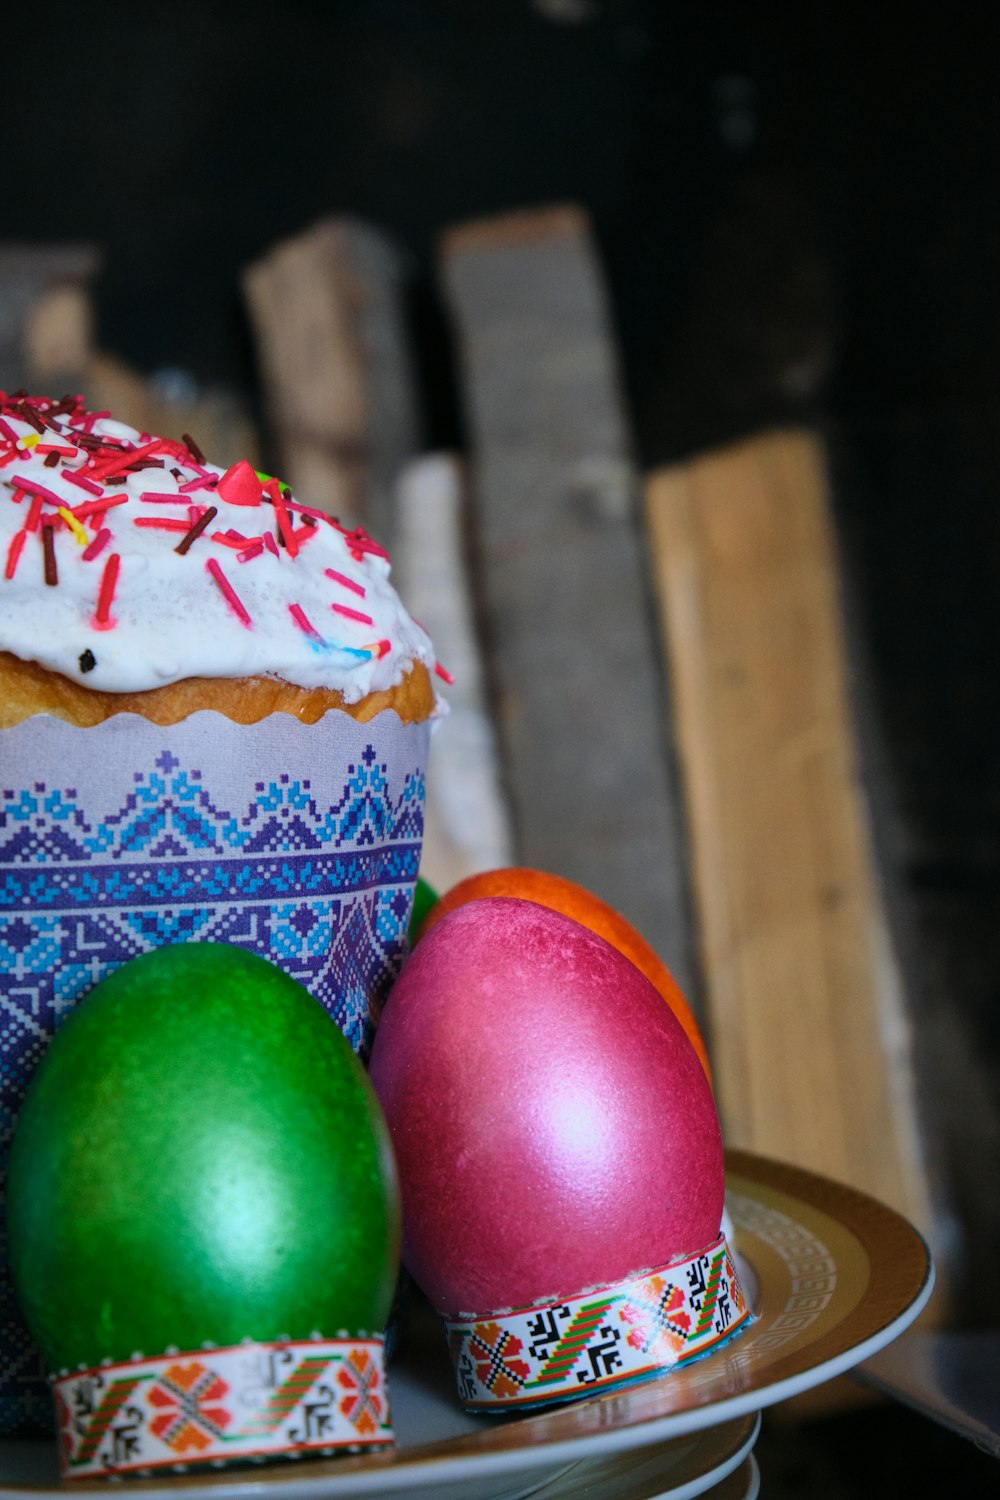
(833, 1275)
(680, 1469)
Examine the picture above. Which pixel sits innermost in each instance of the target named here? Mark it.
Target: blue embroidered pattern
(323, 889)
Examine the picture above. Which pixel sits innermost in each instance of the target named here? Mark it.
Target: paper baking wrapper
(298, 842)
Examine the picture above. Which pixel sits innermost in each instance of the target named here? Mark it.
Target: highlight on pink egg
(553, 1126)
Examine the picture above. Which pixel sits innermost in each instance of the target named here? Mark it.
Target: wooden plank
(562, 575)
(809, 1038)
(45, 315)
(467, 820)
(326, 307)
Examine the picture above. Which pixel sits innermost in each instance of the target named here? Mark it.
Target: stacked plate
(832, 1276)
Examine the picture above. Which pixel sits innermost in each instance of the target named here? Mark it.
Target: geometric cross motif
(608, 1336)
(495, 1353)
(363, 1401)
(187, 834)
(192, 1418)
(222, 1405)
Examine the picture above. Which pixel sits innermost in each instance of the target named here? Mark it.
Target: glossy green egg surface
(200, 1158)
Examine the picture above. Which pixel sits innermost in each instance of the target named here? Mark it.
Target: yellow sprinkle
(74, 526)
(29, 440)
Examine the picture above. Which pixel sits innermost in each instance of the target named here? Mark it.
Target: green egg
(424, 897)
(200, 1158)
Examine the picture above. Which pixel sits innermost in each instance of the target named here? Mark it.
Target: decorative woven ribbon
(213, 1406)
(608, 1336)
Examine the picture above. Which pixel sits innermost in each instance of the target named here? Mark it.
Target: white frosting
(171, 618)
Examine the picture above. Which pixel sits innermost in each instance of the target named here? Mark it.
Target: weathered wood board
(46, 318)
(806, 1019)
(561, 570)
(467, 820)
(327, 311)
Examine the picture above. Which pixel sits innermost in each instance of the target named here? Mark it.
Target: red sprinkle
(271, 544)
(31, 524)
(84, 484)
(249, 553)
(14, 551)
(273, 489)
(298, 614)
(443, 673)
(98, 507)
(161, 523)
(202, 482)
(352, 614)
(309, 510)
(97, 546)
(229, 593)
(231, 538)
(34, 488)
(109, 582)
(348, 583)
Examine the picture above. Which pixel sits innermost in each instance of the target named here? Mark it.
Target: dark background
(796, 209)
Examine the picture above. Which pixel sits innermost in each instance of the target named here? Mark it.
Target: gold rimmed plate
(832, 1275)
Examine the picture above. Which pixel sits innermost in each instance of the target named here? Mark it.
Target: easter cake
(214, 720)
(140, 578)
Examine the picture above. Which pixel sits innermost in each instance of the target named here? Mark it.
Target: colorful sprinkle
(98, 507)
(273, 489)
(347, 583)
(109, 582)
(205, 519)
(298, 614)
(14, 551)
(229, 593)
(98, 545)
(232, 538)
(352, 614)
(193, 449)
(74, 525)
(160, 523)
(34, 488)
(84, 484)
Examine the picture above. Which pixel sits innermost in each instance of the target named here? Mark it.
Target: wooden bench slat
(809, 1038)
(578, 689)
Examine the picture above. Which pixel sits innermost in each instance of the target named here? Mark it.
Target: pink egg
(553, 1126)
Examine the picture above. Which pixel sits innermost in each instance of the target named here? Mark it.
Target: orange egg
(574, 901)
